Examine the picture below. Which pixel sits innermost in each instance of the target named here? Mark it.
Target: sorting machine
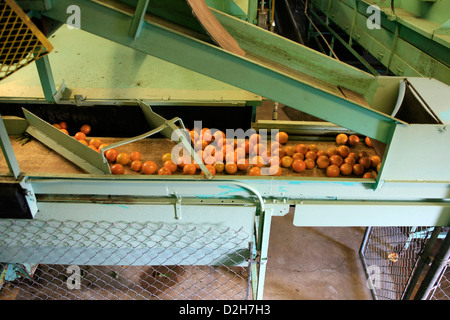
(137, 71)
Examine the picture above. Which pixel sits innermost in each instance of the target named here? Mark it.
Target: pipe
(421, 263)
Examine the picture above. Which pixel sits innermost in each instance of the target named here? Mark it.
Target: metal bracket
(79, 99)
(29, 196)
(177, 207)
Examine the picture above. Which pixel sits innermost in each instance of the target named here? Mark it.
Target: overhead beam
(269, 79)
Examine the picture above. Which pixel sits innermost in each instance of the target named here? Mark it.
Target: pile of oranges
(82, 135)
(336, 161)
(253, 156)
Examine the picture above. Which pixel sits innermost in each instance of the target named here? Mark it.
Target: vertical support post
(136, 23)
(435, 270)
(8, 151)
(46, 77)
(265, 220)
(252, 12)
(424, 258)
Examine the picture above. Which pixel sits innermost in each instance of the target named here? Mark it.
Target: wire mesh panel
(21, 42)
(441, 289)
(390, 256)
(122, 260)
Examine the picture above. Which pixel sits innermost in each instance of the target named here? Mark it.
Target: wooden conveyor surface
(36, 158)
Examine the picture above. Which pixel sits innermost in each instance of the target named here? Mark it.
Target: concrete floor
(307, 263)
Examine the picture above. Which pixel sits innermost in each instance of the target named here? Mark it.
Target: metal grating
(86, 260)
(21, 42)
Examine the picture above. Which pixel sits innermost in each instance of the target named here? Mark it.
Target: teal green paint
(266, 79)
(46, 77)
(445, 116)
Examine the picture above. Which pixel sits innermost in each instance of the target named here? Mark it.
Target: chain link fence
(391, 257)
(441, 289)
(122, 260)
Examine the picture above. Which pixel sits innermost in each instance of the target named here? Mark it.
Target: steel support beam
(275, 82)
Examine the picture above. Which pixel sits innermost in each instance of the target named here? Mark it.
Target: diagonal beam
(272, 80)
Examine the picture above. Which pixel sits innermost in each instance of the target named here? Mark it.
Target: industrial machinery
(137, 71)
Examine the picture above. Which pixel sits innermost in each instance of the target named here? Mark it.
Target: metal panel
(87, 233)
(367, 213)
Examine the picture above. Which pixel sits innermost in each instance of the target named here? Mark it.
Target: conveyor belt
(35, 158)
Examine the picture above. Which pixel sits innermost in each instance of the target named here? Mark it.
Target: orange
(375, 161)
(341, 139)
(64, 130)
(189, 168)
(164, 171)
(290, 150)
(63, 125)
(83, 142)
(172, 166)
(282, 137)
(117, 169)
(135, 155)
(182, 161)
(219, 167)
(298, 165)
(336, 160)
(333, 171)
(95, 142)
(102, 146)
(323, 162)
(310, 155)
(353, 140)
(231, 168)
(136, 165)
(346, 169)
(368, 175)
(211, 169)
(80, 136)
(57, 126)
(166, 156)
(309, 163)
(149, 167)
(257, 161)
(111, 154)
(275, 170)
(123, 158)
(286, 161)
(243, 164)
(254, 139)
(86, 129)
(255, 171)
(301, 148)
(358, 169)
(343, 151)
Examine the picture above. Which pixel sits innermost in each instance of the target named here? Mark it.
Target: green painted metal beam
(408, 42)
(273, 79)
